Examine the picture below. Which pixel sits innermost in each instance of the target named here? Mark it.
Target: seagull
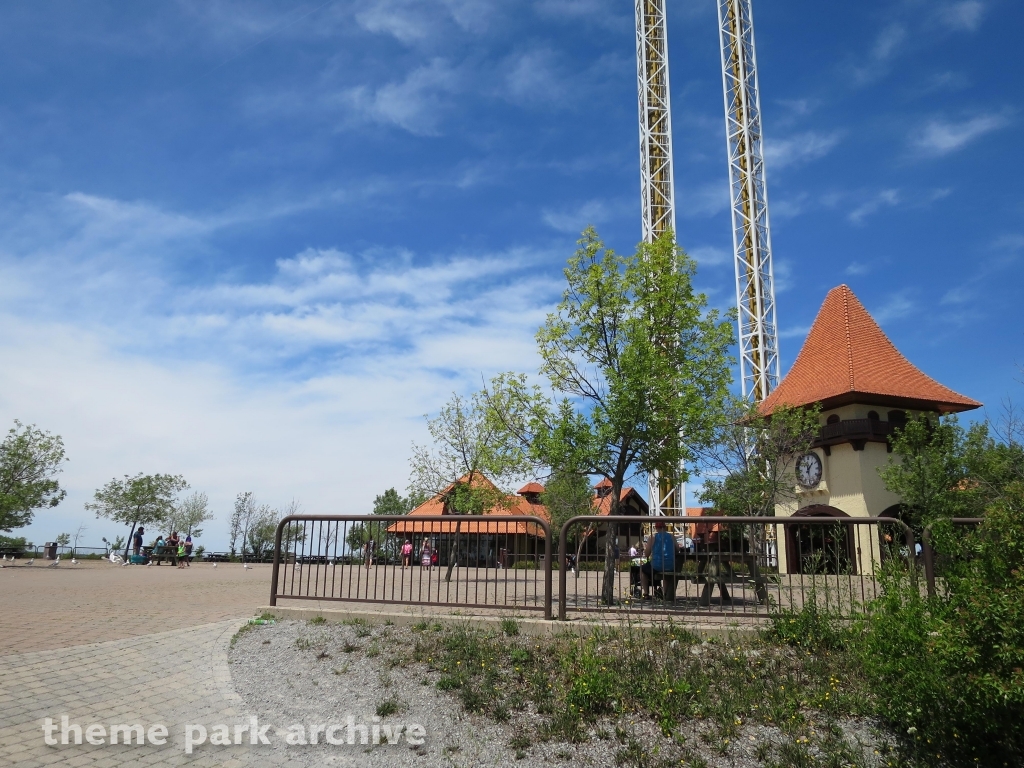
(73, 561)
(247, 566)
(116, 559)
(55, 563)
(214, 565)
(29, 562)
(124, 565)
(149, 563)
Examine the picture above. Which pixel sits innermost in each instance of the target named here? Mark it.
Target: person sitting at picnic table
(661, 549)
(158, 545)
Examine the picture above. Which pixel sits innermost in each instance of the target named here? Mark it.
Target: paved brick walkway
(43, 608)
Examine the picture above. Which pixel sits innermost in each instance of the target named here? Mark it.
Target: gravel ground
(297, 673)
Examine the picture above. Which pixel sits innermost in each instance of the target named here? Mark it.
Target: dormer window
(833, 419)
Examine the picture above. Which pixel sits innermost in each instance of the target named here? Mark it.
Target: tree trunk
(129, 543)
(608, 585)
(453, 548)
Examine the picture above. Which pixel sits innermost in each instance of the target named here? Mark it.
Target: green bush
(949, 670)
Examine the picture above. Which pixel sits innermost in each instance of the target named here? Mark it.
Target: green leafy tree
(567, 495)
(30, 460)
(139, 500)
(190, 513)
(941, 470)
(750, 460)
(638, 359)
(468, 463)
(63, 539)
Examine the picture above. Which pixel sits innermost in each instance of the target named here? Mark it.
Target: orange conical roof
(847, 358)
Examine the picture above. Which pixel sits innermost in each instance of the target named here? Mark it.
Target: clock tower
(866, 389)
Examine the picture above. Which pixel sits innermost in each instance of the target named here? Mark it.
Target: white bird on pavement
(55, 563)
(29, 562)
(73, 561)
(116, 559)
(214, 565)
(247, 566)
(149, 563)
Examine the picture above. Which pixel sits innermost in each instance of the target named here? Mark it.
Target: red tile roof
(531, 488)
(847, 358)
(514, 505)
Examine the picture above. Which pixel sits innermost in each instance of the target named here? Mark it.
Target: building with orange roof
(487, 543)
(866, 389)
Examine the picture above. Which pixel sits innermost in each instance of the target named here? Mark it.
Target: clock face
(808, 470)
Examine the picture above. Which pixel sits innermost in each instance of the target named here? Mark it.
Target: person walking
(406, 554)
(368, 553)
(426, 554)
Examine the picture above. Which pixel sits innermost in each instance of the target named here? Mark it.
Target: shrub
(949, 670)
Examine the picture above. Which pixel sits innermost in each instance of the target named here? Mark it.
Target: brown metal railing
(756, 564)
(474, 561)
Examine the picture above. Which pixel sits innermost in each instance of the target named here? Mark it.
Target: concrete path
(169, 678)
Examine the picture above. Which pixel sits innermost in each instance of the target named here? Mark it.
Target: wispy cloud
(857, 268)
(965, 15)
(702, 201)
(898, 305)
(887, 198)
(710, 255)
(417, 103)
(941, 137)
(799, 149)
(575, 220)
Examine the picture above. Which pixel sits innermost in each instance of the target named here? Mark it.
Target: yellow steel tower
(657, 193)
(752, 243)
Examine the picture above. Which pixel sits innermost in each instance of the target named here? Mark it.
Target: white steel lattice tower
(657, 192)
(752, 247)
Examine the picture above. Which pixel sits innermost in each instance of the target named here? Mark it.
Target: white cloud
(896, 306)
(798, 149)
(795, 332)
(310, 382)
(702, 201)
(887, 198)
(856, 268)
(941, 137)
(710, 255)
(417, 103)
(574, 220)
(534, 77)
(965, 15)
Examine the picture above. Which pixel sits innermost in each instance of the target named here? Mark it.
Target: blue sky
(254, 242)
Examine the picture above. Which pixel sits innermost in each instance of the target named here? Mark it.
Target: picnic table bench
(717, 568)
(159, 554)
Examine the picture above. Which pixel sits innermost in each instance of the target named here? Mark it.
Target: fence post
(562, 569)
(929, 560)
(277, 560)
(547, 571)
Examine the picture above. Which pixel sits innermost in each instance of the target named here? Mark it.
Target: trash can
(50, 550)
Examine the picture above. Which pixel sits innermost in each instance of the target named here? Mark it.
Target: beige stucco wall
(850, 482)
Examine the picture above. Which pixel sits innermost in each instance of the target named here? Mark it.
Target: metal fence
(471, 561)
(729, 567)
(937, 563)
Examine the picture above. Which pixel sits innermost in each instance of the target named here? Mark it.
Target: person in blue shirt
(661, 551)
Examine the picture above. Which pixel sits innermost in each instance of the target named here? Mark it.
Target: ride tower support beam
(751, 233)
(666, 492)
